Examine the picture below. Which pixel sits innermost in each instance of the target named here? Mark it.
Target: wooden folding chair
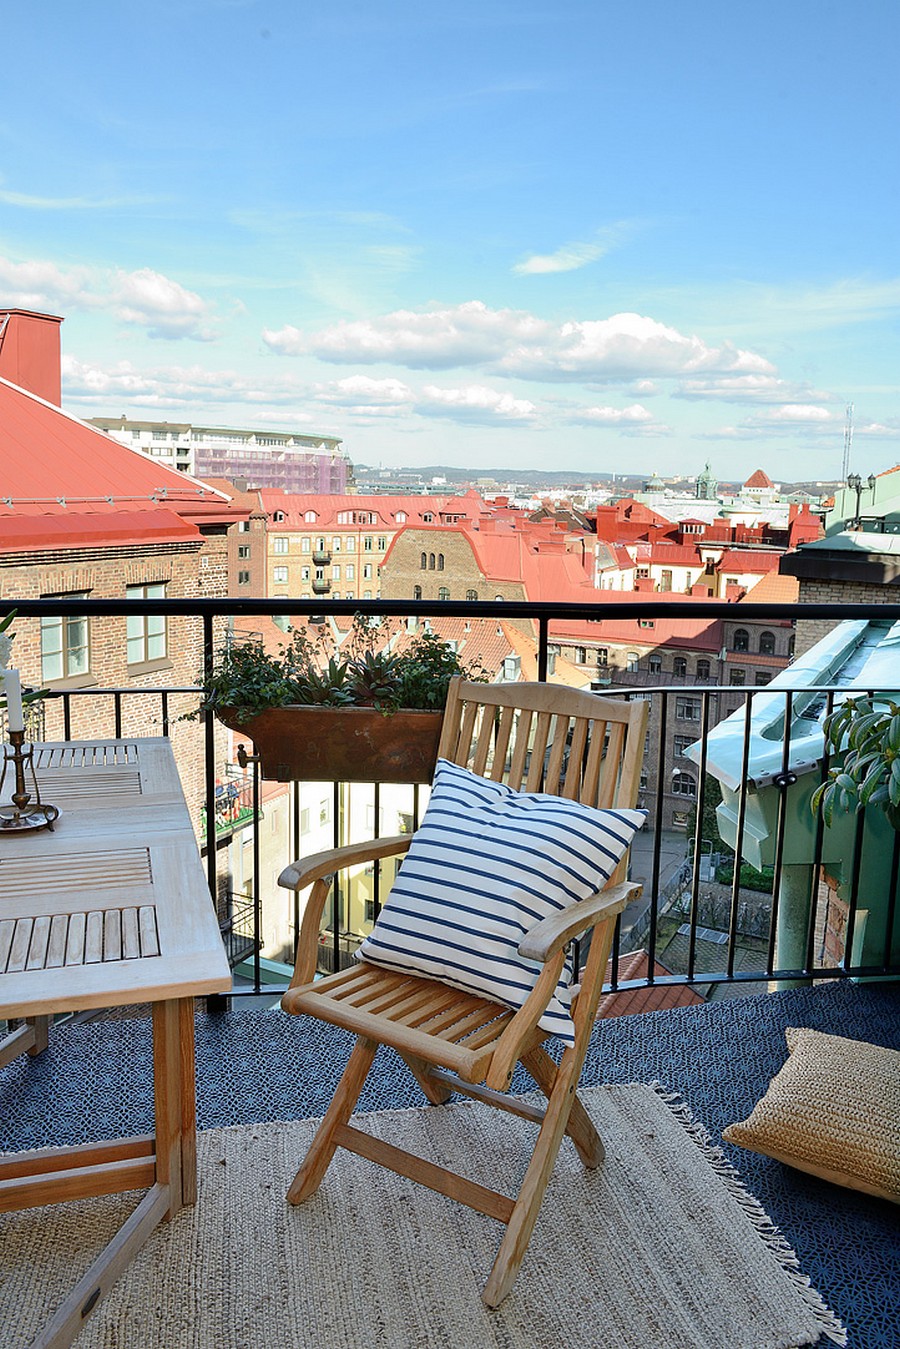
(535, 737)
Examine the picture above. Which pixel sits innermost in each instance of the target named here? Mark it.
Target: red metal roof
(54, 463)
(39, 533)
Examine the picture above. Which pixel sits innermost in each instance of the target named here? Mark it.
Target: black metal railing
(702, 931)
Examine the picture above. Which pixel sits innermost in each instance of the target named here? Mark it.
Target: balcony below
(257, 1065)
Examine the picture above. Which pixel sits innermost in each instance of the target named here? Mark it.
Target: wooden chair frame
(535, 737)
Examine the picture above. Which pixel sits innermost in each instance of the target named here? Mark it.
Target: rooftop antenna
(848, 442)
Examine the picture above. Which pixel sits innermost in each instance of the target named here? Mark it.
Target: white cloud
(71, 203)
(475, 403)
(518, 344)
(570, 257)
(357, 389)
(171, 386)
(142, 298)
(616, 416)
(164, 307)
(756, 388)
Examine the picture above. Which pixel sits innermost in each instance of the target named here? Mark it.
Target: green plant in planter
(867, 732)
(248, 680)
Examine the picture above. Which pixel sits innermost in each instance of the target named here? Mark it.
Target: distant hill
(366, 473)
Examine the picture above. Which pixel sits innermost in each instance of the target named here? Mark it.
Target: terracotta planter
(341, 744)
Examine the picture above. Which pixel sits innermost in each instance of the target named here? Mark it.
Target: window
(602, 655)
(244, 527)
(350, 544)
(767, 644)
(443, 593)
(335, 574)
(431, 561)
(320, 546)
(741, 640)
(581, 655)
(424, 562)
(310, 517)
(417, 592)
(736, 677)
(688, 709)
(642, 573)
(684, 784)
(666, 580)
(244, 550)
(440, 565)
(401, 517)
(703, 669)
(654, 664)
(350, 571)
(146, 634)
(367, 572)
(472, 595)
(382, 544)
(65, 649)
(682, 742)
(280, 575)
(367, 544)
(280, 544)
(428, 517)
(304, 573)
(336, 544)
(243, 578)
(278, 517)
(762, 677)
(632, 663)
(304, 544)
(679, 667)
(646, 623)
(367, 595)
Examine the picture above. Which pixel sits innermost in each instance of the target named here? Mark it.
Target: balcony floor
(259, 1065)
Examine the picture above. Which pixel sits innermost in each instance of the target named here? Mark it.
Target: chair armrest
(551, 934)
(320, 864)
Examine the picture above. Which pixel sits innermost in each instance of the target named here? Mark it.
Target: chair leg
(436, 1092)
(580, 1127)
(323, 1146)
(540, 1168)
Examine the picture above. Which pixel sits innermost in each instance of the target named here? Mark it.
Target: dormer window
(311, 517)
(278, 518)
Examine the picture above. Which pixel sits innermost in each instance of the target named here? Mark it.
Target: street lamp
(855, 483)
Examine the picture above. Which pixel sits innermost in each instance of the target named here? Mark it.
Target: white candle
(15, 718)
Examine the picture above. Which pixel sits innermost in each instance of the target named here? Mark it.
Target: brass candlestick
(24, 813)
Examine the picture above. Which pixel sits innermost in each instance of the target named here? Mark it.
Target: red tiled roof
(759, 479)
(749, 560)
(774, 589)
(653, 999)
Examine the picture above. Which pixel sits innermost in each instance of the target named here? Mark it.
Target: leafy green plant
(248, 679)
(865, 732)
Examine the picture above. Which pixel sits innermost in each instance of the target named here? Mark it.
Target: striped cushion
(486, 865)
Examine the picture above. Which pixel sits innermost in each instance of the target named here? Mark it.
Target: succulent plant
(248, 679)
(865, 732)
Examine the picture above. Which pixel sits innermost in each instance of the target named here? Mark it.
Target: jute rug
(661, 1248)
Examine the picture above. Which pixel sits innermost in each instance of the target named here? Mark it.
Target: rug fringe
(832, 1327)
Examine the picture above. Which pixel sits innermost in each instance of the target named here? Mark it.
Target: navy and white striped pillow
(486, 864)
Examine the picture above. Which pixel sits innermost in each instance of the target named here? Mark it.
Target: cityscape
(449, 630)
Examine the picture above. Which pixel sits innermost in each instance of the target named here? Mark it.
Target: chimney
(29, 352)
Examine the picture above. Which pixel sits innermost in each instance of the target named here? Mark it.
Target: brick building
(81, 517)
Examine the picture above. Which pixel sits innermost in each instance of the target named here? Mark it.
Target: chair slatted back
(540, 737)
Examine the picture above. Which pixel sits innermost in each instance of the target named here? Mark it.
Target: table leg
(175, 1100)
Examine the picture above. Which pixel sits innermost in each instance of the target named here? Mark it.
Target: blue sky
(608, 237)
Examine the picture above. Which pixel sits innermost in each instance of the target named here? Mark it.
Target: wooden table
(110, 909)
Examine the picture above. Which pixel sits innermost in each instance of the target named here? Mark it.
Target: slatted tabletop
(112, 905)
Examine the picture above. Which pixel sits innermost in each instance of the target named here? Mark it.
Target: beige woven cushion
(832, 1110)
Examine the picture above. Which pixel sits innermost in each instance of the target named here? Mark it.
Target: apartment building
(292, 461)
